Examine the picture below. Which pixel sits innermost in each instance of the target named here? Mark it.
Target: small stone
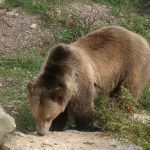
(19, 134)
(143, 117)
(33, 26)
(114, 146)
(121, 14)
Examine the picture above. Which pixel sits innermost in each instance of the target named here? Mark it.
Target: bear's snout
(42, 128)
(40, 133)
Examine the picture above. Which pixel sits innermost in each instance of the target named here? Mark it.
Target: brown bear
(94, 65)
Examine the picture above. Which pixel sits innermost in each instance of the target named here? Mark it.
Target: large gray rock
(67, 140)
(7, 123)
(2, 1)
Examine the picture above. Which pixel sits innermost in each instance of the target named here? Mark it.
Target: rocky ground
(19, 30)
(67, 140)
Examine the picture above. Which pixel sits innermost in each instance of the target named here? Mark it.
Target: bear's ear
(57, 94)
(30, 87)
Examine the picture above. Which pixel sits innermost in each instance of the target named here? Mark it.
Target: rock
(2, 1)
(33, 26)
(143, 117)
(67, 140)
(7, 123)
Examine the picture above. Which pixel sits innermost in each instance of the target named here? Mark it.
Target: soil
(20, 30)
(67, 140)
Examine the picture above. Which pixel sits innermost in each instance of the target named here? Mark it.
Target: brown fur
(74, 74)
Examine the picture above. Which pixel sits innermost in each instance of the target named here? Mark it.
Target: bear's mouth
(43, 127)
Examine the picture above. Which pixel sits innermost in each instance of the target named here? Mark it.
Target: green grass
(113, 115)
(131, 11)
(20, 69)
(145, 101)
(37, 6)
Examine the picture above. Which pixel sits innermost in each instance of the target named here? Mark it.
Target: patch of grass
(21, 61)
(15, 97)
(144, 5)
(118, 5)
(67, 33)
(138, 24)
(20, 68)
(145, 101)
(64, 35)
(70, 27)
(115, 115)
(37, 6)
(121, 108)
(129, 10)
(25, 121)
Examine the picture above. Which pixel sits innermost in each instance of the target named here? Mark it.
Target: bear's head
(46, 105)
(50, 93)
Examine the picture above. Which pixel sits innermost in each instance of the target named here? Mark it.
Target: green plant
(138, 24)
(64, 35)
(36, 6)
(112, 114)
(115, 115)
(144, 101)
(144, 4)
(16, 71)
(25, 121)
(29, 5)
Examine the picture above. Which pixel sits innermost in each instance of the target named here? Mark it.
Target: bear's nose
(41, 130)
(41, 133)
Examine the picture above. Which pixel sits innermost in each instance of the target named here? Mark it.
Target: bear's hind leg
(135, 84)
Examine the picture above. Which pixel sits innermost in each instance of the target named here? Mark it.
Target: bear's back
(112, 52)
(112, 38)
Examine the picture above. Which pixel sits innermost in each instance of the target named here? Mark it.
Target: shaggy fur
(96, 64)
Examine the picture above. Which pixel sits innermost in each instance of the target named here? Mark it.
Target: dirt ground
(68, 140)
(20, 30)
